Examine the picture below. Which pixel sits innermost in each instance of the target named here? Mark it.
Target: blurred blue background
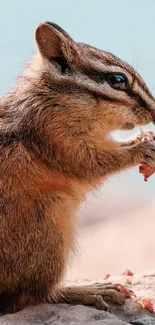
(123, 27)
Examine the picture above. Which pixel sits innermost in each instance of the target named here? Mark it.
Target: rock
(63, 314)
(145, 320)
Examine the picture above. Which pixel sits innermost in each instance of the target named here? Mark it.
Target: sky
(125, 28)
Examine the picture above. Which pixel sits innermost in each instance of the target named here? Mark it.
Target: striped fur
(54, 148)
(84, 82)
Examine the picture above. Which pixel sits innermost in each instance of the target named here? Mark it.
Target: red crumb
(106, 277)
(146, 171)
(127, 272)
(146, 304)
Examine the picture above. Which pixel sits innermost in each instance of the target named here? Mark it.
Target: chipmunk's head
(90, 89)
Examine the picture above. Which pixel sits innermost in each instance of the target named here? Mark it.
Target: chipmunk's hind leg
(99, 295)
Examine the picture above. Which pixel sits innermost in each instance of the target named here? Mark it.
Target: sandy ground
(118, 230)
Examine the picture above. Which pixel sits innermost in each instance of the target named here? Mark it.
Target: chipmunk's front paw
(98, 295)
(144, 152)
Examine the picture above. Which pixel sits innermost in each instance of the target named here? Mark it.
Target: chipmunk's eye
(117, 81)
(62, 64)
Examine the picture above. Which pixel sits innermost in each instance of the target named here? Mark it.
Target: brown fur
(55, 147)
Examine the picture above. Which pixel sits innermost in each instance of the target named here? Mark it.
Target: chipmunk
(55, 146)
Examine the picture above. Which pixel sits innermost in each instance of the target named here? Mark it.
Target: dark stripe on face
(141, 101)
(96, 75)
(100, 77)
(111, 60)
(71, 87)
(68, 87)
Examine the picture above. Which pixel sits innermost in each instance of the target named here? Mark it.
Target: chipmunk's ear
(51, 39)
